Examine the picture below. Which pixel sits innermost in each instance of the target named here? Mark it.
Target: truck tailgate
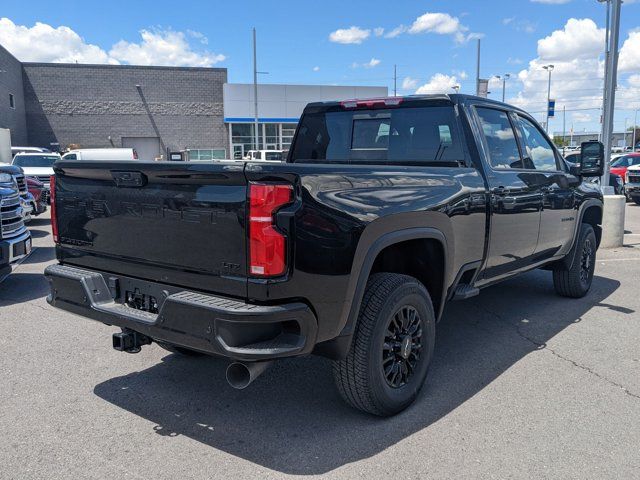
(176, 223)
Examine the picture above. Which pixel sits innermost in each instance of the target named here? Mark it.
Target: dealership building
(155, 110)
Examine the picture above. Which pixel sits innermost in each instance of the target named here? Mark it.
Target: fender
(570, 256)
(363, 263)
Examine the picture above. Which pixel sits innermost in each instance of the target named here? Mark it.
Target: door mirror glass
(591, 159)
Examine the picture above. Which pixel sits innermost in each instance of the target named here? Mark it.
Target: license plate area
(138, 294)
(22, 248)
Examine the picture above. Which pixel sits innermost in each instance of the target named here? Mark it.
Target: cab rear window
(407, 135)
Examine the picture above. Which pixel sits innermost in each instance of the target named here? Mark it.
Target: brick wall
(87, 104)
(11, 83)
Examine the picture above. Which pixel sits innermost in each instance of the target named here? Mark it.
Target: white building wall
(284, 103)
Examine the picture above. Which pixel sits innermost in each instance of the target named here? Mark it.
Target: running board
(464, 291)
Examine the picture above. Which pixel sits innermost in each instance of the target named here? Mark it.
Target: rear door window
(500, 138)
(423, 135)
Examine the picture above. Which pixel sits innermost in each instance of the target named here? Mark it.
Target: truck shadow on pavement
(292, 420)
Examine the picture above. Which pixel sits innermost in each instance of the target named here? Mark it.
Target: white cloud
(351, 35)
(378, 32)
(578, 39)
(374, 62)
(462, 74)
(576, 79)
(551, 2)
(580, 117)
(409, 83)
(198, 36)
(162, 47)
(440, 23)
(629, 59)
(399, 30)
(316, 68)
(439, 83)
(44, 43)
(514, 61)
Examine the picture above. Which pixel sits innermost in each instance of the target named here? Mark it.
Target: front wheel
(392, 346)
(575, 282)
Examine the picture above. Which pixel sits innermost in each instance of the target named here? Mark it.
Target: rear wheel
(170, 347)
(392, 346)
(575, 282)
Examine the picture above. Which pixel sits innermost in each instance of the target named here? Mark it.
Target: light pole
(504, 84)
(456, 88)
(635, 126)
(609, 93)
(624, 135)
(548, 68)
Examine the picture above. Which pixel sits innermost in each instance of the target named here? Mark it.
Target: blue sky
(294, 43)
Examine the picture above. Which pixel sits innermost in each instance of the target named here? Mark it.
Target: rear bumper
(207, 323)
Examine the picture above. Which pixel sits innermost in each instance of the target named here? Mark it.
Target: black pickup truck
(384, 211)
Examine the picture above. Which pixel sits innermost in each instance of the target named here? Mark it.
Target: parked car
(17, 177)
(265, 155)
(616, 181)
(620, 163)
(40, 195)
(37, 165)
(632, 185)
(102, 154)
(15, 239)
(16, 150)
(385, 210)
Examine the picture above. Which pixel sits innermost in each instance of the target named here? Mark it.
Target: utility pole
(624, 135)
(564, 126)
(635, 126)
(504, 84)
(548, 68)
(610, 86)
(395, 81)
(255, 93)
(478, 70)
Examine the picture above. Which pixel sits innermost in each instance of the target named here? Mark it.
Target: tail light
(267, 246)
(54, 213)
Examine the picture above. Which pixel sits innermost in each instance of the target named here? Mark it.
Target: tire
(361, 377)
(170, 347)
(636, 200)
(575, 282)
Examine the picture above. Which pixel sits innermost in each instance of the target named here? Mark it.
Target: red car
(619, 165)
(40, 195)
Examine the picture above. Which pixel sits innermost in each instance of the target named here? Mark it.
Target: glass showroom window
(288, 129)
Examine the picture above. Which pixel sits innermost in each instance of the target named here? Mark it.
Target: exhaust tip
(238, 375)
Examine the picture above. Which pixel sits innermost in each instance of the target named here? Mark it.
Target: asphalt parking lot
(524, 384)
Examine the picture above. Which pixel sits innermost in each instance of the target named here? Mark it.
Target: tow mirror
(591, 159)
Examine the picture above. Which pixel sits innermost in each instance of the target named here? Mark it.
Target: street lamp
(548, 68)
(504, 83)
(456, 88)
